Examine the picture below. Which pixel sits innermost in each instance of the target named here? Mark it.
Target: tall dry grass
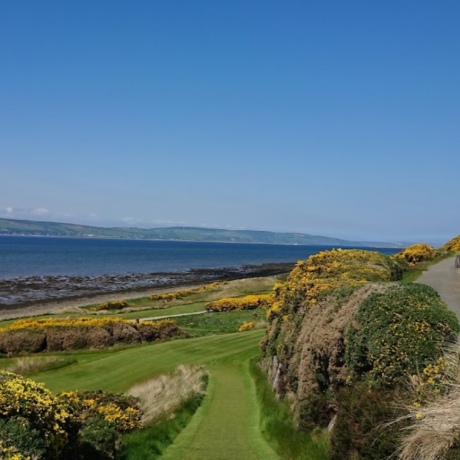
(161, 396)
(435, 426)
(30, 364)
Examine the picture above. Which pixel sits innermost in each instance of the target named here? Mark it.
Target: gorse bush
(434, 422)
(37, 335)
(103, 418)
(344, 336)
(363, 430)
(398, 333)
(452, 245)
(249, 302)
(329, 270)
(35, 424)
(247, 326)
(112, 305)
(417, 253)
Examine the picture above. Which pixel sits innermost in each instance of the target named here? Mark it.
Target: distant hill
(15, 227)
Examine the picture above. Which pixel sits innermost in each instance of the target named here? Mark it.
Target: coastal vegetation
(34, 423)
(452, 245)
(39, 335)
(346, 336)
(249, 302)
(417, 253)
(351, 366)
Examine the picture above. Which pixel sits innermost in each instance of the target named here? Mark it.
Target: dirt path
(445, 279)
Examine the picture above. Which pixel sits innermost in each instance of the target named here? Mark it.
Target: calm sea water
(36, 256)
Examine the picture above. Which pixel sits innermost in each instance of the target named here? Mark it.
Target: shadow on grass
(151, 441)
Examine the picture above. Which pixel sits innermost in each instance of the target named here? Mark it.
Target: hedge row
(34, 336)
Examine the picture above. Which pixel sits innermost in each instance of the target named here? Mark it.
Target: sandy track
(445, 279)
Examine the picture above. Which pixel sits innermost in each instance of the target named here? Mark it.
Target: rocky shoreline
(36, 292)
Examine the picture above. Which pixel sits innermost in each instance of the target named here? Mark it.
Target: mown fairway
(117, 370)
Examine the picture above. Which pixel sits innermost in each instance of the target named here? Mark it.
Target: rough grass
(225, 322)
(164, 394)
(278, 428)
(32, 364)
(435, 429)
(150, 442)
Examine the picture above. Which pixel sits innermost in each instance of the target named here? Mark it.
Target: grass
(119, 369)
(278, 426)
(225, 322)
(168, 403)
(228, 423)
(226, 426)
(143, 307)
(32, 364)
(150, 442)
(435, 424)
(164, 394)
(173, 310)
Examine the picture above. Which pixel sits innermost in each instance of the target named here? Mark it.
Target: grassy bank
(278, 427)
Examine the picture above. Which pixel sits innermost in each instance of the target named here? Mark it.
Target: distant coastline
(29, 228)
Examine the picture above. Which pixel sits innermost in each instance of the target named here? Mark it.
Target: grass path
(226, 427)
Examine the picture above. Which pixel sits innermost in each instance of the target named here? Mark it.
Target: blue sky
(334, 118)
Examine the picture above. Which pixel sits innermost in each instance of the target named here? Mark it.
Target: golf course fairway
(226, 426)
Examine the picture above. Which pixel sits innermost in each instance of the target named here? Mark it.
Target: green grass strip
(278, 427)
(150, 442)
(226, 427)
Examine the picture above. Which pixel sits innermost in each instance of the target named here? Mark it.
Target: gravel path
(445, 279)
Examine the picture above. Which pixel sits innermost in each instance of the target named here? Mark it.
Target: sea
(24, 256)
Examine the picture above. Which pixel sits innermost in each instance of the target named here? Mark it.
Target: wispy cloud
(23, 213)
(40, 212)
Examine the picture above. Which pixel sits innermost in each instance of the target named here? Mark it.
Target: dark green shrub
(363, 429)
(17, 432)
(399, 332)
(98, 439)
